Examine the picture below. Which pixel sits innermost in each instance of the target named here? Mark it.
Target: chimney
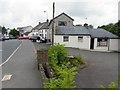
(86, 25)
(47, 20)
(39, 22)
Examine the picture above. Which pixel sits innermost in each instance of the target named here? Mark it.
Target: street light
(46, 14)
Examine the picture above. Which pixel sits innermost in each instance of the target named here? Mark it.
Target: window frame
(60, 23)
(80, 38)
(64, 39)
(102, 42)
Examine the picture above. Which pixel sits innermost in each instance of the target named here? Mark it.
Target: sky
(20, 13)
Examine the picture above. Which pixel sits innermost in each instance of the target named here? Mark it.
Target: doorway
(92, 43)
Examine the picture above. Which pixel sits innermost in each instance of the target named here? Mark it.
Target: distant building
(24, 31)
(41, 29)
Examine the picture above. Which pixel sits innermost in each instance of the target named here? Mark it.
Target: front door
(92, 43)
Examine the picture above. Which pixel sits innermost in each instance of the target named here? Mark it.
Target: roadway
(21, 64)
(8, 47)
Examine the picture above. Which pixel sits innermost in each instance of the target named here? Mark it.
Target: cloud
(16, 13)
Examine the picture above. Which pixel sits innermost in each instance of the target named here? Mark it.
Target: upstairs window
(62, 23)
(65, 38)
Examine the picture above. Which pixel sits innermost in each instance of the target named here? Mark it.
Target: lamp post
(46, 14)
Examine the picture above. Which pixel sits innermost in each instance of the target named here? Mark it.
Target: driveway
(102, 69)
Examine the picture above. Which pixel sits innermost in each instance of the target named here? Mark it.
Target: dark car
(41, 39)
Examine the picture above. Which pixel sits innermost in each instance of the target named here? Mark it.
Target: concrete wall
(114, 45)
(73, 41)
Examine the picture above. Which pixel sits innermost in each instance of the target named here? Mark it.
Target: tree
(4, 30)
(14, 32)
(112, 27)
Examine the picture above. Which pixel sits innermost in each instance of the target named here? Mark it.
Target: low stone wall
(42, 56)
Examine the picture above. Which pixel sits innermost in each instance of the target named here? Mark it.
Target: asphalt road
(102, 69)
(8, 47)
(23, 68)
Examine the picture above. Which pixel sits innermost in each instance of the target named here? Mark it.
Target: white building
(41, 29)
(24, 31)
(60, 20)
(81, 37)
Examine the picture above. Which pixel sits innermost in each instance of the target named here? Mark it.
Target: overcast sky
(18, 13)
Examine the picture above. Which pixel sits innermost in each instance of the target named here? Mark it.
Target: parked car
(7, 38)
(2, 38)
(12, 37)
(35, 38)
(21, 37)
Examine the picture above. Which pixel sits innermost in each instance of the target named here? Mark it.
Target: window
(62, 23)
(101, 42)
(65, 38)
(80, 38)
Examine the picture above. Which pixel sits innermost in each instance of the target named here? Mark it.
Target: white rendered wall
(114, 45)
(73, 41)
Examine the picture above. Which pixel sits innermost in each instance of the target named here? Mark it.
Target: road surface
(23, 68)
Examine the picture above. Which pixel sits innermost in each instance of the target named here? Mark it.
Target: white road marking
(6, 77)
(11, 55)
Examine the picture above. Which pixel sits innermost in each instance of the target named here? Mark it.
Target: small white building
(83, 38)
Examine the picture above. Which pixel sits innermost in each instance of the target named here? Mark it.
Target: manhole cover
(6, 77)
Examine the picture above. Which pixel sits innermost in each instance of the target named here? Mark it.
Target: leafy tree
(112, 27)
(4, 30)
(14, 32)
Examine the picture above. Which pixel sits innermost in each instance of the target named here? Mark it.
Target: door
(92, 43)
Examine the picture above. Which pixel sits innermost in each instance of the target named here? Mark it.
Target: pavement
(23, 68)
(102, 67)
(39, 46)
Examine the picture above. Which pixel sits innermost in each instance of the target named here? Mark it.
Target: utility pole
(53, 24)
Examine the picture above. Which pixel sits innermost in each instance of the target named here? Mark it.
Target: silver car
(2, 38)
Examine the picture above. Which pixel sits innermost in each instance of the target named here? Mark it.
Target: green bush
(65, 78)
(57, 54)
(64, 75)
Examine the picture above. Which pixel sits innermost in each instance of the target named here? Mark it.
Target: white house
(81, 37)
(24, 31)
(41, 29)
(60, 20)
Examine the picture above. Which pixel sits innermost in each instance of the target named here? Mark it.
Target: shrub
(64, 75)
(57, 54)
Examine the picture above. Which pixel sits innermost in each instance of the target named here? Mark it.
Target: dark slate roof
(80, 30)
(65, 30)
(40, 26)
(102, 33)
(59, 16)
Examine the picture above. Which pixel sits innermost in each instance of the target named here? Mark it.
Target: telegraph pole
(53, 24)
